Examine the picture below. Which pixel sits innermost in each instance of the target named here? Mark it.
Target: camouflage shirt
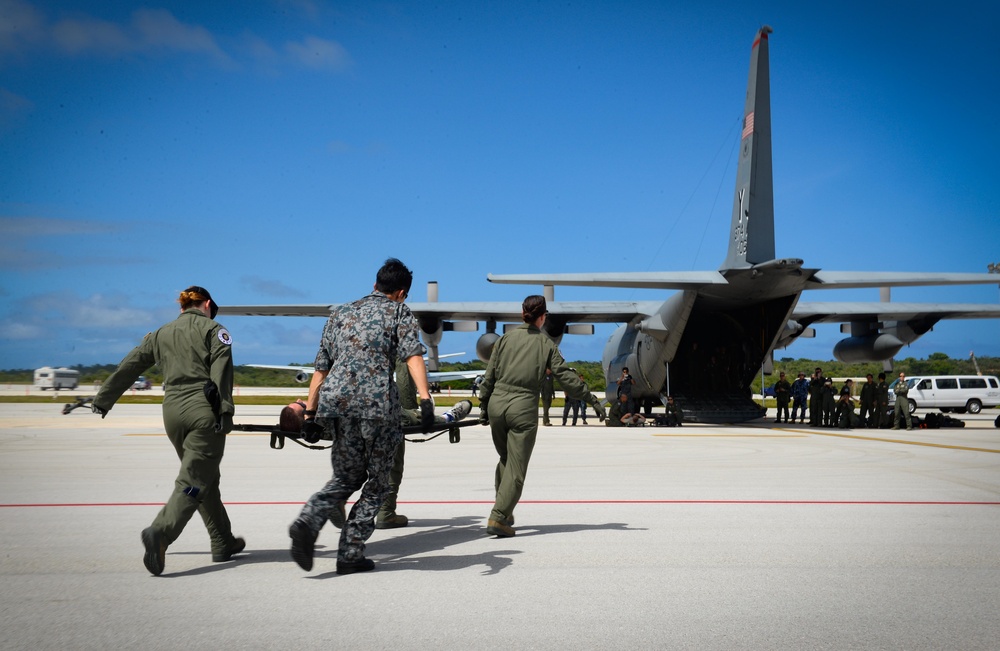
(359, 348)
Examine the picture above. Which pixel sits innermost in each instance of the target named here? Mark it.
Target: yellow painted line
(904, 442)
(747, 436)
(230, 434)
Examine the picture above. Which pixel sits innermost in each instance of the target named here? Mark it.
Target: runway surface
(703, 537)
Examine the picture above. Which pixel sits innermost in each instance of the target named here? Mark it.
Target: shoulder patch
(225, 337)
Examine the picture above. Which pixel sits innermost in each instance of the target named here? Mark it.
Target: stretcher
(278, 435)
(81, 401)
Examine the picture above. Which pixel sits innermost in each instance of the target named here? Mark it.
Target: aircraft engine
(484, 345)
(301, 376)
(875, 347)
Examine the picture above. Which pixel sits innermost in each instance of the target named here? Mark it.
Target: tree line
(593, 374)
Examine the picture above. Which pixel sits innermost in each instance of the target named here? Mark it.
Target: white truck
(958, 393)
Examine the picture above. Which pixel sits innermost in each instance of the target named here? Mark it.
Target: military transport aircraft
(707, 341)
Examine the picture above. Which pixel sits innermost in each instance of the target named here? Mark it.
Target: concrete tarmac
(703, 537)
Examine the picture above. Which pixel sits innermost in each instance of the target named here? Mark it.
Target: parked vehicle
(142, 384)
(958, 393)
(56, 378)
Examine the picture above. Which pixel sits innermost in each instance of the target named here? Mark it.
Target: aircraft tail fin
(752, 229)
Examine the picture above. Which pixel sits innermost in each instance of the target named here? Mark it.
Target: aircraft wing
(276, 310)
(300, 369)
(829, 312)
(861, 279)
(447, 376)
(432, 376)
(636, 280)
(509, 312)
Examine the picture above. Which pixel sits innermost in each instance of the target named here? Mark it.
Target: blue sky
(278, 152)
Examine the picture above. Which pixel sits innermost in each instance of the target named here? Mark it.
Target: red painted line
(595, 502)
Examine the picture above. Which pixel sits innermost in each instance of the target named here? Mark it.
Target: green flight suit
(509, 395)
(409, 403)
(190, 351)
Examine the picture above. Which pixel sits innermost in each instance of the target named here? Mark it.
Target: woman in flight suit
(509, 404)
(195, 355)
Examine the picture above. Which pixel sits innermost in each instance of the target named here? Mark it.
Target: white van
(56, 378)
(959, 393)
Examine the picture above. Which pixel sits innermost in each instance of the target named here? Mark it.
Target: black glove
(312, 431)
(598, 407)
(426, 415)
(98, 410)
(484, 416)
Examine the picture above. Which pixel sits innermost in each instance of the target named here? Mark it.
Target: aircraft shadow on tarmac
(406, 551)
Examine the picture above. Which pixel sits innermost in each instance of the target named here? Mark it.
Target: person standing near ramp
(509, 404)
(196, 356)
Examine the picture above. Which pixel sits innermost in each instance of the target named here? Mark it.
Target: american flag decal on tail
(747, 125)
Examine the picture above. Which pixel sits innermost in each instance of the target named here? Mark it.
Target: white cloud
(319, 53)
(91, 35)
(270, 287)
(159, 29)
(21, 25)
(47, 226)
(24, 29)
(12, 106)
(97, 311)
(20, 331)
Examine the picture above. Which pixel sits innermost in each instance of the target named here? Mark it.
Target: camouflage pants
(362, 456)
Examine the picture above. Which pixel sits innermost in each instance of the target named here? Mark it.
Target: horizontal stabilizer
(824, 312)
(862, 279)
(634, 280)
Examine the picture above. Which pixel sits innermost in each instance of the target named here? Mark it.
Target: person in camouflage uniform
(509, 404)
(353, 397)
(195, 355)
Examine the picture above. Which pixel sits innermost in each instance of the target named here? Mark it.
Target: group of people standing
(831, 408)
(571, 406)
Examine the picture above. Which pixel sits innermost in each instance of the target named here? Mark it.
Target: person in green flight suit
(509, 404)
(195, 355)
(902, 408)
(387, 517)
(782, 394)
